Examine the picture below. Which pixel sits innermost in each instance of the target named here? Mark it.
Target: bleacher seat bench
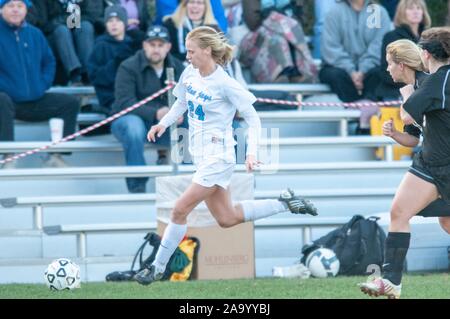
(81, 231)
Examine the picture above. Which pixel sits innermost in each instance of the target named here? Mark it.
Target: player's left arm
(243, 100)
(254, 133)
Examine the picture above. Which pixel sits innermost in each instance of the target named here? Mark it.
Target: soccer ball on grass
(62, 274)
(322, 263)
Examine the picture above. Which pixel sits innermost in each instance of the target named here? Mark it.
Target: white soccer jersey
(212, 102)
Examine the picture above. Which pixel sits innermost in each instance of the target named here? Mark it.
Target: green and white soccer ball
(62, 274)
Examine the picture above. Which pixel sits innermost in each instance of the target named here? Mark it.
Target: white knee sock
(257, 209)
(172, 237)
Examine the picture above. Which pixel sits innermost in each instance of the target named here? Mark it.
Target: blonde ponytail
(221, 50)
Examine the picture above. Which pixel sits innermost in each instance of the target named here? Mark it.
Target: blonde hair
(406, 52)
(181, 12)
(400, 13)
(221, 51)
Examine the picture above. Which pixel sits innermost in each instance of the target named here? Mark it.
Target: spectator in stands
(233, 68)
(72, 45)
(137, 78)
(27, 66)
(351, 47)
(411, 19)
(138, 18)
(276, 49)
(109, 51)
(188, 15)
(168, 7)
(94, 11)
(321, 8)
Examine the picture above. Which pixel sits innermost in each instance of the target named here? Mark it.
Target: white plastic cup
(56, 129)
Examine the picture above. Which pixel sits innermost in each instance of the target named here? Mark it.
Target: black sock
(396, 247)
(438, 208)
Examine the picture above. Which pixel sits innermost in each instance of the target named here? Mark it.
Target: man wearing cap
(27, 68)
(109, 51)
(137, 78)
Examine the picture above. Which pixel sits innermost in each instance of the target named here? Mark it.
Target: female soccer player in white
(428, 179)
(212, 98)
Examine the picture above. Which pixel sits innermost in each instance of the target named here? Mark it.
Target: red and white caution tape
(356, 105)
(170, 85)
(92, 127)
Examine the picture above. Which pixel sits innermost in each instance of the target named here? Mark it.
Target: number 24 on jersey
(196, 110)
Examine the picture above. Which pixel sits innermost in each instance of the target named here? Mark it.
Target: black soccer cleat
(148, 275)
(296, 204)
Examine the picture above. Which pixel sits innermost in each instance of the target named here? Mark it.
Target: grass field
(436, 286)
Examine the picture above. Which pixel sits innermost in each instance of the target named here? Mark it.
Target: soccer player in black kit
(428, 179)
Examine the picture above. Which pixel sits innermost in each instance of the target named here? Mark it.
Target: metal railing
(81, 231)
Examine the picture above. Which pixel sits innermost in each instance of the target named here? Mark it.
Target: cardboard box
(224, 253)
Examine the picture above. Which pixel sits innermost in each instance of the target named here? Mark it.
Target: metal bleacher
(287, 147)
(85, 212)
(306, 89)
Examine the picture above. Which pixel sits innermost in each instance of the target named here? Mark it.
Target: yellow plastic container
(376, 128)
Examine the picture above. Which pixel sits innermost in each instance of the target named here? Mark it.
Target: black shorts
(437, 175)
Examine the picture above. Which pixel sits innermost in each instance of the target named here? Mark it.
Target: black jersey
(413, 129)
(420, 77)
(429, 106)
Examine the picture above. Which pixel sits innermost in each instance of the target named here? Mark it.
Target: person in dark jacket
(109, 51)
(69, 26)
(27, 68)
(411, 19)
(138, 77)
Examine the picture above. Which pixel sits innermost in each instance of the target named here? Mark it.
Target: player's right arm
(403, 138)
(155, 130)
(177, 110)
